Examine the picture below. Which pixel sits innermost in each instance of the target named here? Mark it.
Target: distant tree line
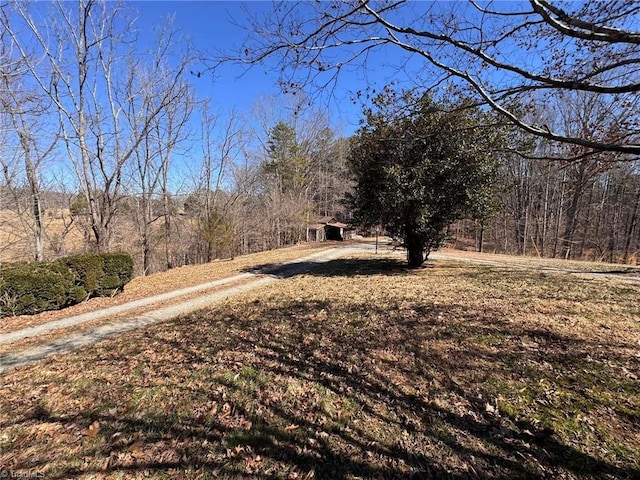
(587, 210)
(106, 147)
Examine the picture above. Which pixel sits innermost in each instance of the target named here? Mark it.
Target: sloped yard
(360, 369)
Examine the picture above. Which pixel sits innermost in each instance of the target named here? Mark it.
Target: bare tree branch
(502, 54)
(575, 27)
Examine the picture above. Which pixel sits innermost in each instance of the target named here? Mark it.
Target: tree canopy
(418, 171)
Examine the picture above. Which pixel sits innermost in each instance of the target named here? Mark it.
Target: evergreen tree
(417, 169)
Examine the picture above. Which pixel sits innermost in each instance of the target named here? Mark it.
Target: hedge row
(28, 288)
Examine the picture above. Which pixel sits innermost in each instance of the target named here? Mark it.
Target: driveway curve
(251, 280)
(226, 287)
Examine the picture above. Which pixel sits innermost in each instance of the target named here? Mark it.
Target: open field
(360, 369)
(16, 235)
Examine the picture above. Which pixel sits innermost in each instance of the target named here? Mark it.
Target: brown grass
(16, 235)
(361, 369)
(577, 265)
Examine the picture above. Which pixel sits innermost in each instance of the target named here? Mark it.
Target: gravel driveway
(248, 281)
(224, 288)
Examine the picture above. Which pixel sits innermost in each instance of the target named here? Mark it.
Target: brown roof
(338, 225)
(328, 221)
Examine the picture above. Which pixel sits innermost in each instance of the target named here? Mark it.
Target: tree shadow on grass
(240, 452)
(512, 441)
(334, 268)
(316, 388)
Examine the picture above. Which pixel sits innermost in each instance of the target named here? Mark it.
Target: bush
(88, 269)
(100, 274)
(118, 271)
(28, 288)
(77, 294)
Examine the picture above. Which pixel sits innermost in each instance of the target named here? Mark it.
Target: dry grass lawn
(361, 369)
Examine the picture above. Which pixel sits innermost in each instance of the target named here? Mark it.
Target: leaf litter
(359, 369)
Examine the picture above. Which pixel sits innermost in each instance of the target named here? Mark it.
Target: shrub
(118, 271)
(100, 274)
(88, 269)
(77, 294)
(28, 288)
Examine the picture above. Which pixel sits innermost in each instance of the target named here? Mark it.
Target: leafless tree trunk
(23, 110)
(89, 74)
(219, 154)
(34, 188)
(632, 225)
(163, 129)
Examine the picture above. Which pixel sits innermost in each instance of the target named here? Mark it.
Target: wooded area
(588, 210)
(104, 145)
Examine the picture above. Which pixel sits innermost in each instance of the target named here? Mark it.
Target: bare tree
(32, 158)
(502, 53)
(633, 223)
(165, 129)
(214, 198)
(88, 71)
(22, 112)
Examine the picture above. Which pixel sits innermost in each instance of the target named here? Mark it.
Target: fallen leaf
(93, 429)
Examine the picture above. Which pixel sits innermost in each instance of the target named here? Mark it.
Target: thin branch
(477, 52)
(537, 131)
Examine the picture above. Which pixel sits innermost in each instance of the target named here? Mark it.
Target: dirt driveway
(18, 348)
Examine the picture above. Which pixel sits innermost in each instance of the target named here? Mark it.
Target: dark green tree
(284, 174)
(418, 166)
(286, 164)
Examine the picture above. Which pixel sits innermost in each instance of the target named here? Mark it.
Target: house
(327, 228)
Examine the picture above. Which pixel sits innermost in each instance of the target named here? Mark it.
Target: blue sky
(212, 25)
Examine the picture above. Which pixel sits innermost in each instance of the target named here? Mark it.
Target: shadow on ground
(335, 268)
(394, 387)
